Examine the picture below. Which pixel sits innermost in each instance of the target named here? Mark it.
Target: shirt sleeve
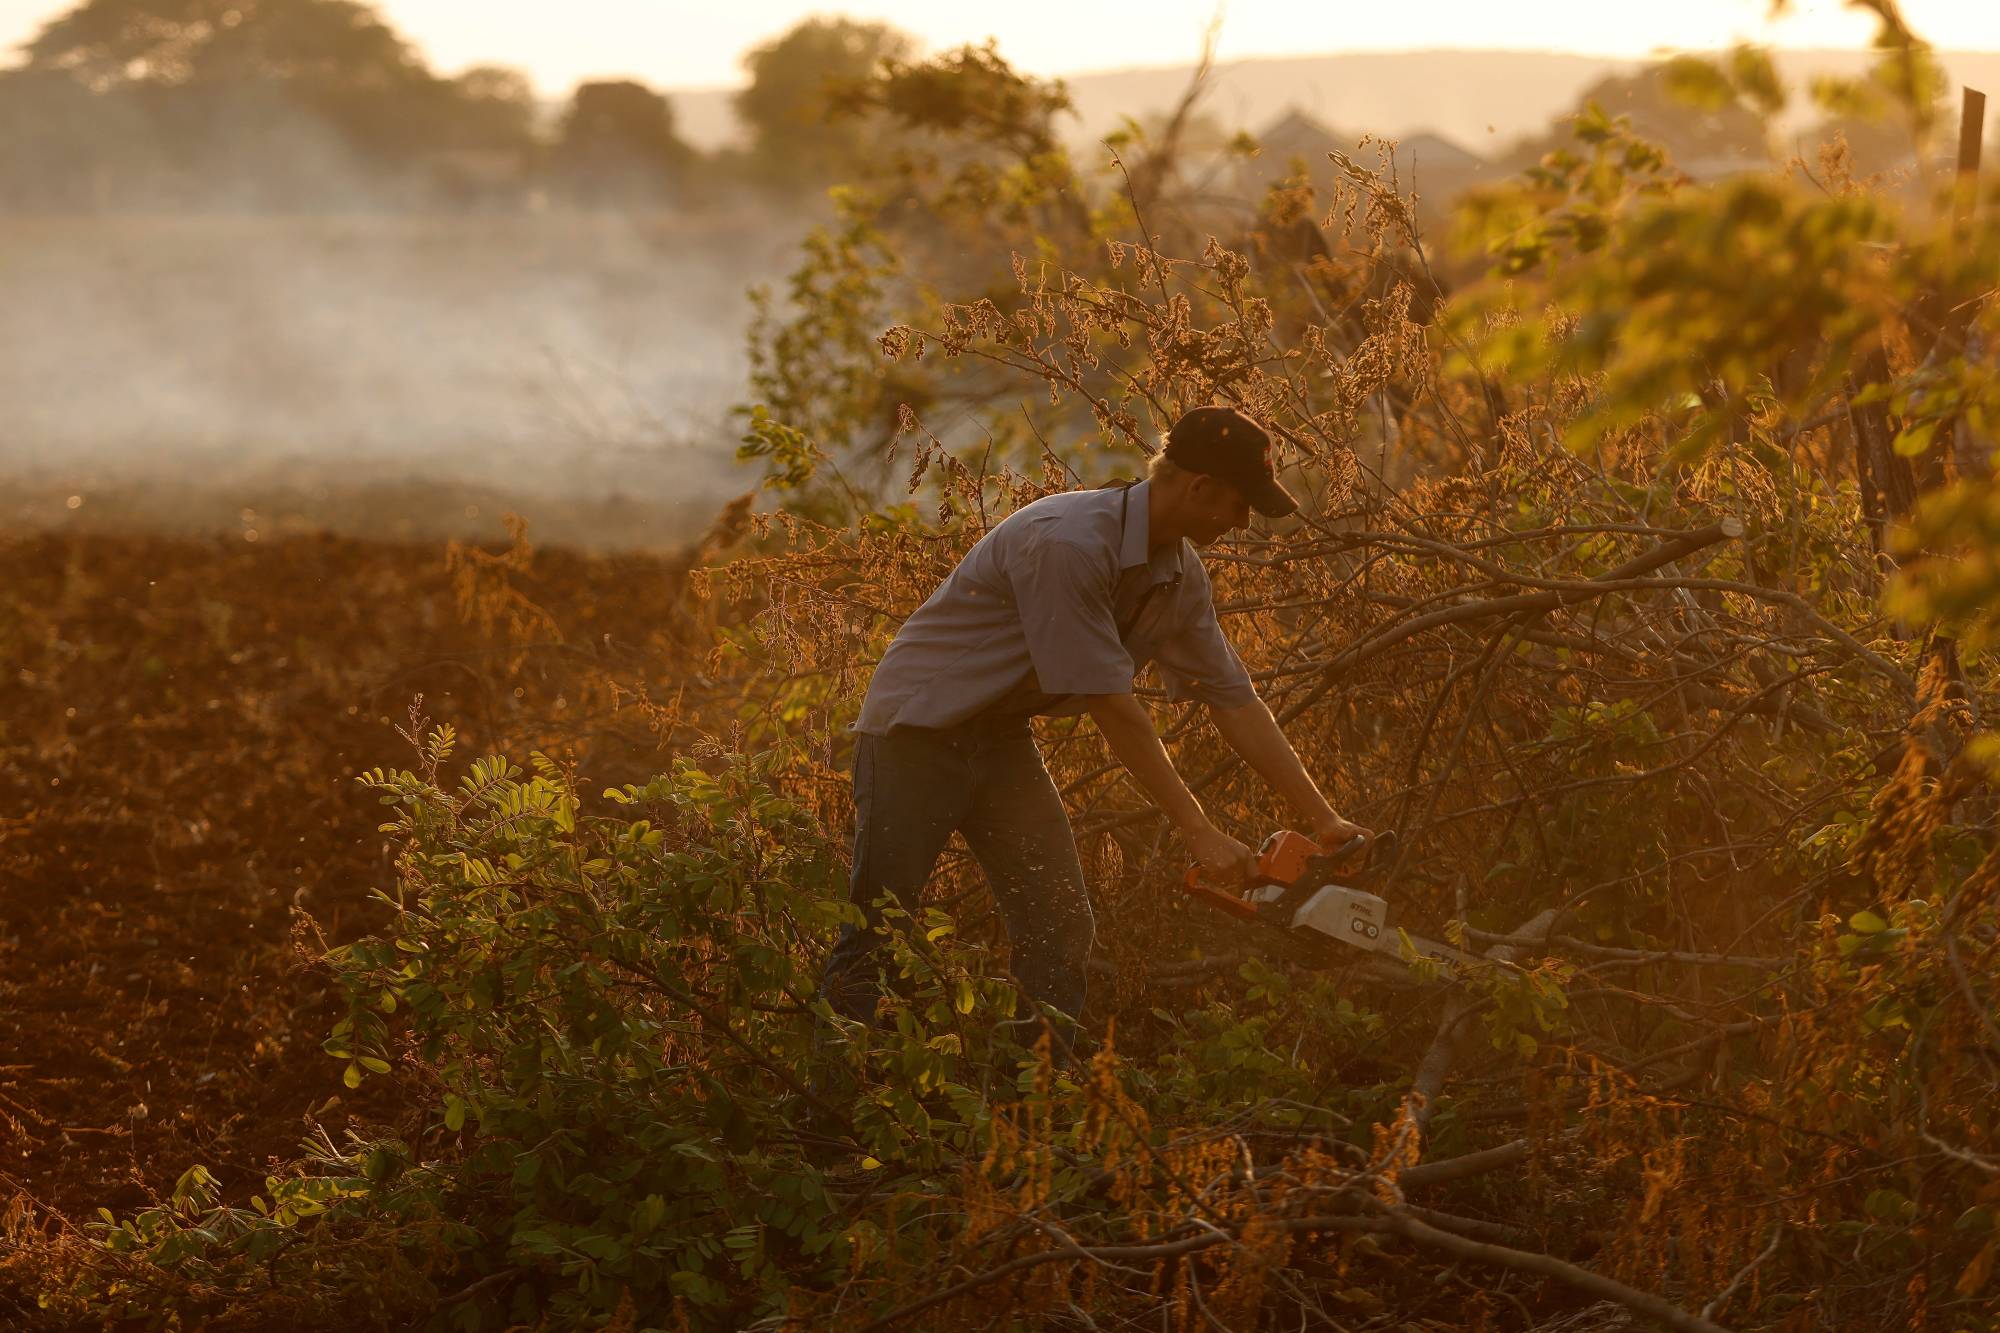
(1063, 592)
(1197, 662)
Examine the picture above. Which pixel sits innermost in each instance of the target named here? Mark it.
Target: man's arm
(1253, 733)
(1129, 731)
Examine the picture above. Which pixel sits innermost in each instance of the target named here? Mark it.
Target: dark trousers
(912, 789)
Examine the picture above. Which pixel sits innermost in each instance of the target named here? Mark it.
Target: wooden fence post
(1971, 455)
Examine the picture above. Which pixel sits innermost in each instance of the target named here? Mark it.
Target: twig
(1200, 1240)
(1965, 989)
(1987, 1164)
(1198, 967)
(1721, 1301)
(1665, 553)
(1392, 1220)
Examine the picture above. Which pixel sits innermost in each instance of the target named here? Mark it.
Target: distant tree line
(313, 105)
(318, 105)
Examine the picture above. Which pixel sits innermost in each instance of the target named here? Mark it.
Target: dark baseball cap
(1221, 442)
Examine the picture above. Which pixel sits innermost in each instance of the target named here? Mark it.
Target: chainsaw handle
(1357, 846)
(1365, 853)
(1195, 886)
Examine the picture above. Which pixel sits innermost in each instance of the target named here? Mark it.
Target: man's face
(1216, 508)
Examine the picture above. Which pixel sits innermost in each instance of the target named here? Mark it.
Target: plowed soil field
(181, 722)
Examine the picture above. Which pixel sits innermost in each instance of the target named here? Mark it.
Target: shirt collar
(1138, 525)
(1134, 551)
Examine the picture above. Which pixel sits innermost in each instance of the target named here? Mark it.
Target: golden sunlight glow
(677, 44)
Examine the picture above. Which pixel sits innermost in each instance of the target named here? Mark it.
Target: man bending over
(1055, 611)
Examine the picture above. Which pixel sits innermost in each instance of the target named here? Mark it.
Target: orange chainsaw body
(1283, 857)
(1282, 861)
(1306, 897)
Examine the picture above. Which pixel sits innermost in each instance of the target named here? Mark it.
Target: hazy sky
(678, 44)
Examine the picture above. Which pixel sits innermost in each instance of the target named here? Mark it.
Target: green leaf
(1916, 438)
(1867, 923)
(1889, 1206)
(652, 1211)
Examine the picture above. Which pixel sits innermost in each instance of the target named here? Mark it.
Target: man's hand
(1333, 833)
(1226, 860)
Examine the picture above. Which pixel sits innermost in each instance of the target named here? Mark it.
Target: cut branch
(1665, 553)
(1529, 1261)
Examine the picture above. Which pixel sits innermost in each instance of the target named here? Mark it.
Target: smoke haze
(408, 374)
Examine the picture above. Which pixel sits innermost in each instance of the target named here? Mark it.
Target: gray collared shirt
(1061, 599)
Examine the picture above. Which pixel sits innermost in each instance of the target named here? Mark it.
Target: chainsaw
(1304, 902)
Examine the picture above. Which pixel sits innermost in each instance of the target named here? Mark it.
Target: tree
(617, 146)
(968, 173)
(108, 43)
(286, 102)
(795, 80)
(1677, 105)
(496, 107)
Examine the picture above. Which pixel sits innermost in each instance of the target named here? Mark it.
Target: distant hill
(1482, 100)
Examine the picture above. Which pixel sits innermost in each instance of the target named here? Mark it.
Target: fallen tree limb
(1612, 952)
(1389, 1221)
(1459, 1168)
(1435, 1067)
(1475, 1228)
(1666, 1312)
(1362, 1201)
